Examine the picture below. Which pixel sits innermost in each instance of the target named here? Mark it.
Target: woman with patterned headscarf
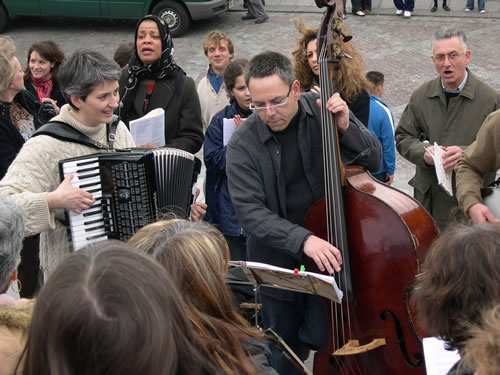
(153, 80)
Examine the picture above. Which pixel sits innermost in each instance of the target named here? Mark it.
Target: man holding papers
(448, 110)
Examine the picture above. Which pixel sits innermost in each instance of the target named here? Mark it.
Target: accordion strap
(67, 133)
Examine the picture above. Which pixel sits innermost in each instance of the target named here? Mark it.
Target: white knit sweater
(35, 172)
(211, 102)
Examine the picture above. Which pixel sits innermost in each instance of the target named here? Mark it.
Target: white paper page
(438, 360)
(328, 279)
(150, 128)
(444, 178)
(228, 130)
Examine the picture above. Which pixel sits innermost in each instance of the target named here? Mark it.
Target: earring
(19, 286)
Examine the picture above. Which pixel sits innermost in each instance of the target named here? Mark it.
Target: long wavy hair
(350, 79)
(196, 257)
(303, 72)
(460, 278)
(110, 309)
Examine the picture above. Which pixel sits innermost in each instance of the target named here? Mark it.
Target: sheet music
(149, 128)
(228, 130)
(438, 360)
(444, 178)
(307, 282)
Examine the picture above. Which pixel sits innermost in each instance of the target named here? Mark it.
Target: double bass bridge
(352, 347)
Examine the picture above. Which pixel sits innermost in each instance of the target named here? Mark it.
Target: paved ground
(398, 47)
(386, 7)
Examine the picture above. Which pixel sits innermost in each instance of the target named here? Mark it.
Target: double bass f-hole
(419, 360)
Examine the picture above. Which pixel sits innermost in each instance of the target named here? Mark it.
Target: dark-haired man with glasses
(448, 110)
(274, 164)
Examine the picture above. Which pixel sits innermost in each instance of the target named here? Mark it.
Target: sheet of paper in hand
(149, 128)
(444, 178)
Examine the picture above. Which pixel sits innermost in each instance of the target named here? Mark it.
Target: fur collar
(17, 316)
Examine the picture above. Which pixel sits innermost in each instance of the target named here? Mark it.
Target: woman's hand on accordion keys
(69, 197)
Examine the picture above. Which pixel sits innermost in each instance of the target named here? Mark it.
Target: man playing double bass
(275, 174)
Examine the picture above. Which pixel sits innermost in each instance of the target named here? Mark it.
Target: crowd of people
(259, 125)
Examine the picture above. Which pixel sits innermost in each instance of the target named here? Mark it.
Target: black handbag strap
(64, 132)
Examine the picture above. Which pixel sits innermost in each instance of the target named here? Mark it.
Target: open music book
(444, 178)
(149, 128)
(307, 282)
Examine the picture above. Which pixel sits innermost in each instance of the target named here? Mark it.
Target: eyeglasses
(452, 56)
(276, 102)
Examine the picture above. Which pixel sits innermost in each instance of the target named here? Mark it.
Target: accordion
(131, 188)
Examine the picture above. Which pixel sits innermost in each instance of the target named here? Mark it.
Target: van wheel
(4, 18)
(176, 16)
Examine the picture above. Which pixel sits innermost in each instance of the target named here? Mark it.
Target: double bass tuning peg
(338, 29)
(345, 38)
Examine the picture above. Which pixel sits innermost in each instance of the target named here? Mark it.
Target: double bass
(383, 235)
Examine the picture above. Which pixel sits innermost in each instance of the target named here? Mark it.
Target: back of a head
(269, 63)
(11, 239)
(80, 73)
(123, 53)
(377, 78)
(7, 70)
(482, 351)
(195, 256)
(109, 310)
(460, 278)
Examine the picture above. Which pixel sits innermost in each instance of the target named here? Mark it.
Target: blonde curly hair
(7, 67)
(350, 79)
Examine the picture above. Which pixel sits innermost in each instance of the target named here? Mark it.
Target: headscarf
(164, 67)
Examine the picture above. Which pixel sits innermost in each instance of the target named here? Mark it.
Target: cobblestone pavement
(398, 47)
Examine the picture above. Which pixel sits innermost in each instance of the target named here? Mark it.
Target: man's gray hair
(11, 239)
(270, 63)
(83, 71)
(448, 33)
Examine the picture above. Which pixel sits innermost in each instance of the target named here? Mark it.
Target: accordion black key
(132, 188)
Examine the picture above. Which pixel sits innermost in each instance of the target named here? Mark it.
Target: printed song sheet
(300, 281)
(149, 128)
(444, 178)
(438, 360)
(228, 130)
